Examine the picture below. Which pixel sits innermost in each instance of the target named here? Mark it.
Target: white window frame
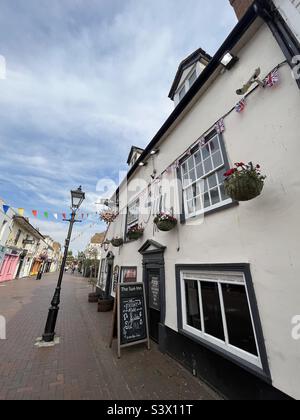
(133, 204)
(194, 71)
(200, 276)
(186, 187)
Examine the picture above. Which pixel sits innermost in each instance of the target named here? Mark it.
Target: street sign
(130, 315)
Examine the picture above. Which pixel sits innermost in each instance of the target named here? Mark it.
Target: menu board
(132, 313)
(154, 293)
(130, 316)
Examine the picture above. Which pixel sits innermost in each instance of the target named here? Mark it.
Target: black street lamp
(78, 197)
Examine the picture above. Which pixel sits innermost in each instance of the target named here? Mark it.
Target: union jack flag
(240, 106)
(272, 79)
(220, 126)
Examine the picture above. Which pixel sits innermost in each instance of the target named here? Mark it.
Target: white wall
(264, 232)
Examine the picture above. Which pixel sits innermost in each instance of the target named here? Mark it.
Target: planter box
(134, 236)
(105, 305)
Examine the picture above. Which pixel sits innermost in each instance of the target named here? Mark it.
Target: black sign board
(132, 317)
(154, 293)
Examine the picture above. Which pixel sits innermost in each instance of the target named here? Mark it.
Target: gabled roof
(132, 151)
(198, 55)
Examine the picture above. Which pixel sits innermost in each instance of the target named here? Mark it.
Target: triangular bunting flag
(35, 213)
(46, 214)
(64, 215)
(21, 212)
(55, 215)
(5, 208)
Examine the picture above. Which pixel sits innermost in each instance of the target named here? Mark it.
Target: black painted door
(154, 308)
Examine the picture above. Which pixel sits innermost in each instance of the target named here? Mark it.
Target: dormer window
(188, 72)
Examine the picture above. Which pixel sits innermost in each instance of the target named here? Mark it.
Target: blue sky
(86, 79)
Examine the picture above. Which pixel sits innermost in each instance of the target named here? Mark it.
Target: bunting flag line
(272, 79)
(220, 126)
(240, 106)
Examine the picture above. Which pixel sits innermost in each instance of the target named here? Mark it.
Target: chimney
(241, 7)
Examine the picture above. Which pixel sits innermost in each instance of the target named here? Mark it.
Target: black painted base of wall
(228, 379)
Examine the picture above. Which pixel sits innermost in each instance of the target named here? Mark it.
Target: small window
(216, 308)
(133, 214)
(17, 237)
(129, 275)
(192, 78)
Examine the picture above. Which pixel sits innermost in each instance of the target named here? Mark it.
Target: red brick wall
(241, 6)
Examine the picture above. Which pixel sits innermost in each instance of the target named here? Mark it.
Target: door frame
(153, 259)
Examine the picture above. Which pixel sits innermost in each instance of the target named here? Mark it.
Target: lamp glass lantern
(78, 197)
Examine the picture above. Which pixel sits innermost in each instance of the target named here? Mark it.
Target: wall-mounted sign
(154, 293)
(115, 278)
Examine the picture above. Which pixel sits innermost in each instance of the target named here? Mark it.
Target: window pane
(207, 165)
(192, 176)
(215, 197)
(193, 78)
(199, 170)
(214, 145)
(198, 204)
(239, 324)
(206, 200)
(181, 93)
(190, 206)
(192, 304)
(224, 196)
(212, 310)
(217, 159)
(198, 157)
(191, 163)
(205, 152)
(212, 181)
(184, 167)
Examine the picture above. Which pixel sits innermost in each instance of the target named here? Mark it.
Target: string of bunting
(271, 80)
(47, 215)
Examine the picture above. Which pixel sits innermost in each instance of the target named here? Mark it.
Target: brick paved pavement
(82, 366)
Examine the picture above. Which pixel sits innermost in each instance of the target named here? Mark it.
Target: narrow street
(82, 366)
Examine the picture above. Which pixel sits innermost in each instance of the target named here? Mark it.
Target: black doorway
(154, 279)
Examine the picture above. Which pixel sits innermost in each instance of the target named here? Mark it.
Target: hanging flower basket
(165, 222)
(117, 242)
(135, 233)
(244, 182)
(108, 216)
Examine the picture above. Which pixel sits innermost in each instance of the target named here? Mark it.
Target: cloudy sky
(85, 80)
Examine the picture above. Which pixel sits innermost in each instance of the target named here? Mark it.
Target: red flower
(240, 164)
(230, 172)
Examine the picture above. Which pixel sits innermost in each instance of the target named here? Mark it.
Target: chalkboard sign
(154, 293)
(132, 313)
(132, 317)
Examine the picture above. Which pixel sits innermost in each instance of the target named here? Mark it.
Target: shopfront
(9, 266)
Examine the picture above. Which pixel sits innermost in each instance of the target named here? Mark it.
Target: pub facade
(221, 272)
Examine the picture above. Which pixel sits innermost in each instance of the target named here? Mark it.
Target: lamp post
(78, 197)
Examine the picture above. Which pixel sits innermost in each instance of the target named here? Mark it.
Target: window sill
(213, 211)
(259, 372)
